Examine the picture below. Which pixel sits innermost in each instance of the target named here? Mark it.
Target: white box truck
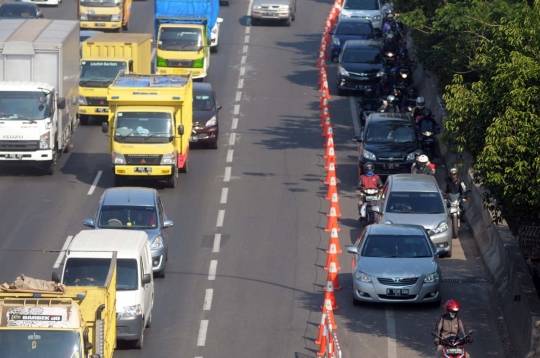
(39, 92)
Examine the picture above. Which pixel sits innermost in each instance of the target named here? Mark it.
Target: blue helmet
(394, 70)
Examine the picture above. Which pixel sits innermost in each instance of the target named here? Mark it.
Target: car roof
(130, 196)
(96, 243)
(389, 117)
(396, 229)
(21, 4)
(202, 87)
(365, 44)
(413, 183)
(354, 19)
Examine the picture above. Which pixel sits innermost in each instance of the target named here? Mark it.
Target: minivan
(87, 263)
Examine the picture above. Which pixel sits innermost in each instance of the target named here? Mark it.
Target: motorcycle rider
(368, 103)
(428, 123)
(390, 45)
(453, 186)
(448, 325)
(388, 22)
(409, 100)
(417, 154)
(418, 111)
(384, 87)
(422, 166)
(368, 180)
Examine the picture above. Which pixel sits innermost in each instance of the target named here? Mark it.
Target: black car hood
(391, 149)
(362, 67)
(201, 117)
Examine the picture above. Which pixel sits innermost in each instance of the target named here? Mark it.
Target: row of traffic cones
(332, 264)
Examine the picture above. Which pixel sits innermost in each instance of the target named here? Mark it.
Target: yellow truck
(103, 57)
(149, 126)
(104, 14)
(81, 322)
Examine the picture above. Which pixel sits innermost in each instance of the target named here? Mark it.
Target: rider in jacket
(422, 166)
(384, 87)
(418, 111)
(453, 186)
(409, 100)
(448, 325)
(390, 45)
(427, 123)
(368, 180)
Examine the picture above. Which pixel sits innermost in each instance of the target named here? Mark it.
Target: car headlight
(388, 222)
(84, 17)
(343, 71)
(380, 73)
(168, 158)
(257, 7)
(376, 18)
(336, 42)
(157, 244)
(82, 101)
(284, 7)
(45, 141)
(362, 276)
(442, 227)
(411, 156)
(368, 155)
(434, 277)
(131, 311)
(117, 157)
(116, 17)
(211, 122)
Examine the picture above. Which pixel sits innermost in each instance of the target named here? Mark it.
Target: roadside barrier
(334, 205)
(328, 339)
(332, 188)
(331, 170)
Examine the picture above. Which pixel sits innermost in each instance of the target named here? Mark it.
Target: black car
(360, 66)
(349, 29)
(388, 140)
(20, 10)
(205, 115)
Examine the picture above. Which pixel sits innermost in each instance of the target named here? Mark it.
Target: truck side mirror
(181, 129)
(105, 127)
(89, 346)
(55, 277)
(61, 103)
(219, 20)
(146, 279)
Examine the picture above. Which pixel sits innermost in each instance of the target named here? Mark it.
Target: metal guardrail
(529, 241)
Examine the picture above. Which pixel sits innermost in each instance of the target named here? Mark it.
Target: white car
(365, 9)
(214, 35)
(43, 2)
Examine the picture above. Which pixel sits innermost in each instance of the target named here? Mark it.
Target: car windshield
(26, 343)
(127, 217)
(134, 127)
(203, 103)
(100, 3)
(180, 39)
(415, 203)
(17, 12)
(93, 272)
(21, 105)
(361, 5)
(392, 246)
(100, 71)
(351, 28)
(390, 133)
(361, 56)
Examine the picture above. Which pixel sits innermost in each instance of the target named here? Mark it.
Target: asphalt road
(269, 221)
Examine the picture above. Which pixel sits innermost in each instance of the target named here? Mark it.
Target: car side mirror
(352, 250)
(181, 129)
(55, 277)
(89, 223)
(219, 107)
(331, 32)
(430, 232)
(167, 223)
(453, 210)
(357, 139)
(146, 279)
(376, 209)
(105, 127)
(61, 101)
(440, 251)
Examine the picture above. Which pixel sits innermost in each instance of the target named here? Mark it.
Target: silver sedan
(395, 263)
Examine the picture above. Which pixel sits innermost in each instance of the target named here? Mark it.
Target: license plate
(14, 156)
(428, 140)
(176, 70)
(100, 24)
(102, 110)
(454, 351)
(390, 166)
(371, 198)
(143, 170)
(397, 292)
(193, 139)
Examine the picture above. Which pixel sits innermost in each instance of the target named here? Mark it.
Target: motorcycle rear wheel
(455, 227)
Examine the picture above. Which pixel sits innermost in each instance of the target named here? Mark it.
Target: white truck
(39, 92)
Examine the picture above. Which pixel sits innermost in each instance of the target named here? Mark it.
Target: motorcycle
(371, 199)
(454, 346)
(389, 59)
(428, 143)
(367, 108)
(455, 203)
(389, 105)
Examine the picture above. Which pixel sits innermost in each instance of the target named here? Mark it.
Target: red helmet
(451, 306)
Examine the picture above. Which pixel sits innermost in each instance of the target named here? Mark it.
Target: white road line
(234, 123)
(232, 138)
(242, 71)
(241, 83)
(354, 112)
(212, 271)
(208, 299)
(236, 110)
(391, 332)
(94, 184)
(230, 155)
(227, 176)
(63, 252)
(224, 194)
(238, 96)
(249, 9)
(220, 218)
(244, 49)
(246, 39)
(202, 333)
(243, 60)
(248, 29)
(217, 243)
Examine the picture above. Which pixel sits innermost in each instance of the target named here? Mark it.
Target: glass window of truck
(39, 343)
(137, 127)
(180, 39)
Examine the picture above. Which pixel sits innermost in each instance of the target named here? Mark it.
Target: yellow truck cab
(103, 57)
(149, 126)
(104, 14)
(78, 323)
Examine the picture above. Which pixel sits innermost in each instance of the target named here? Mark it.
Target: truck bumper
(129, 329)
(197, 72)
(100, 25)
(93, 111)
(156, 172)
(37, 158)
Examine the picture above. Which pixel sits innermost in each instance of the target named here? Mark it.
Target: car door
(148, 288)
(383, 201)
(162, 218)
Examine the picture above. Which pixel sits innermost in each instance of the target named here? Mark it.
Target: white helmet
(420, 102)
(423, 159)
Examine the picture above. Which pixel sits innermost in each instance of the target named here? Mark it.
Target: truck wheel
(149, 323)
(173, 179)
(118, 180)
(185, 169)
(52, 164)
(140, 342)
(68, 147)
(214, 49)
(83, 119)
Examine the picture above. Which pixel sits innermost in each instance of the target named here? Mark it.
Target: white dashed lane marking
(217, 243)
(201, 340)
(94, 184)
(220, 218)
(227, 176)
(212, 271)
(208, 299)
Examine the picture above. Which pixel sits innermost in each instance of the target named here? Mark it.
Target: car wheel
(213, 145)
(448, 254)
(293, 17)
(160, 274)
(288, 22)
(149, 323)
(355, 302)
(341, 92)
(254, 22)
(139, 343)
(118, 180)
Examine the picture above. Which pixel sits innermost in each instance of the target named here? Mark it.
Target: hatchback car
(349, 29)
(416, 199)
(388, 140)
(395, 263)
(360, 66)
(371, 10)
(20, 10)
(273, 10)
(205, 115)
(132, 208)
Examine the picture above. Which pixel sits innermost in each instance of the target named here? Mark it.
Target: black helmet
(427, 112)
(411, 91)
(368, 166)
(385, 77)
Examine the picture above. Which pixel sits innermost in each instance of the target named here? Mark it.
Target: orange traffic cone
(329, 134)
(332, 257)
(329, 296)
(325, 112)
(321, 62)
(321, 72)
(331, 171)
(334, 204)
(323, 102)
(329, 312)
(327, 124)
(322, 347)
(333, 244)
(331, 158)
(322, 47)
(329, 144)
(332, 188)
(332, 221)
(321, 326)
(333, 276)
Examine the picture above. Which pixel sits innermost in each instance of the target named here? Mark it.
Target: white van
(87, 262)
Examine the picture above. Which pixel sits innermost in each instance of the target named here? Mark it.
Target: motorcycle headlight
(343, 71)
(44, 141)
(117, 157)
(380, 73)
(442, 227)
(168, 158)
(411, 156)
(82, 101)
(336, 42)
(131, 311)
(389, 54)
(211, 122)
(362, 276)
(368, 155)
(431, 278)
(409, 109)
(404, 75)
(84, 17)
(116, 17)
(157, 244)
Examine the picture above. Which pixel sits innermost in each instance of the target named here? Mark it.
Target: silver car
(395, 263)
(416, 199)
(273, 10)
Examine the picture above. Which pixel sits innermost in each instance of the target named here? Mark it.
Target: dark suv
(388, 140)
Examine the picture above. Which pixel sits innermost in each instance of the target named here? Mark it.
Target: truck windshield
(100, 3)
(100, 73)
(143, 127)
(180, 39)
(93, 272)
(19, 105)
(127, 217)
(39, 343)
